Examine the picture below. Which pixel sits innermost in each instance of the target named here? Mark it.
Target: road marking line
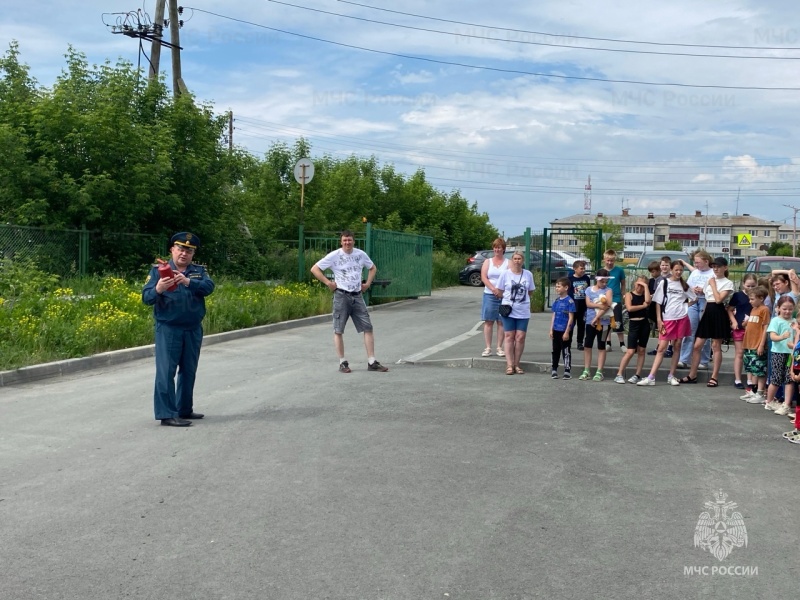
(443, 345)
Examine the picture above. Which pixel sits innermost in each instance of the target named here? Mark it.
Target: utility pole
(158, 31)
(178, 87)
(794, 229)
(587, 196)
(230, 131)
(136, 24)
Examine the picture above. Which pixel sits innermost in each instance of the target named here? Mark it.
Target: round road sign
(304, 171)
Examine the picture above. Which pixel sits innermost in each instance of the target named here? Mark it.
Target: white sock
(341, 360)
(371, 359)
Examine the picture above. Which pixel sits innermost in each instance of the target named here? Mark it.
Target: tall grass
(45, 323)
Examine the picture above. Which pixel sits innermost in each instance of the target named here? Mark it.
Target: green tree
(673, 245)
(612, 238)
(106, 150)
(779, 249)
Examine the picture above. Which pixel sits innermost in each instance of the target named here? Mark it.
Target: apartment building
(737, 237)
(788, 234)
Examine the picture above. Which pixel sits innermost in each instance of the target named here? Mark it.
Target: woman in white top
(516, 285)
(697, 281)
(491, 269)
(715, 325)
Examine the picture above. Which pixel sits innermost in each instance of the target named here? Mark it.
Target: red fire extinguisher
(165, 272)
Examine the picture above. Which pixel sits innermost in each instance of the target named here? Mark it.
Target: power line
(570, 189)
(529, 42)
(467, 155)
(577, 37)
(497, 69)
(564, 169)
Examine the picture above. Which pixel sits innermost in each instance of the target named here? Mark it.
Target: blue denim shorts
(490, 309)
(512, 324)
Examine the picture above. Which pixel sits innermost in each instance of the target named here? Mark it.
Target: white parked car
(571, 258)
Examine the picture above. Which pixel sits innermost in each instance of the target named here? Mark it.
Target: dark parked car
(471, 274)
(763, 265)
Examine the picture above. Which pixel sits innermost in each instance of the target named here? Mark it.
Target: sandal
(500, 352)
(487, 352)
(687, 379)
(509, 370)
(712, 382)
(518, 370)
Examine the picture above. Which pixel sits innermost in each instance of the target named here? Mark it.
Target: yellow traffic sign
(744, 240)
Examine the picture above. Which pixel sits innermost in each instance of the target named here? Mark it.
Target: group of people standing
(692, 316)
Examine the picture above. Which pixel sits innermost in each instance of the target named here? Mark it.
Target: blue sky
(519, 145)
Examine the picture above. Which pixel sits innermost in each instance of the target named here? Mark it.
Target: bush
(445, 269)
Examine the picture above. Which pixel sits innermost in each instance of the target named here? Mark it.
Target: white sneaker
(619, 379)
(782, 410)
(647, 381)
(771, 405)
(756, 398)
(674, 381)
(703, 366)
(634, 379)
(747, 395)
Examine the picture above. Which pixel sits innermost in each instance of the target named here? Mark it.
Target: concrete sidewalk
(465, 351)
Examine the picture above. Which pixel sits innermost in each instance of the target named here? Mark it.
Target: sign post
(303, 173)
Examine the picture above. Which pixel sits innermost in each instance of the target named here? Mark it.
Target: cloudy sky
(467, 91)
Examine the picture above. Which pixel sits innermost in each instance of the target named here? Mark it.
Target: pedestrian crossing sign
(744, 240)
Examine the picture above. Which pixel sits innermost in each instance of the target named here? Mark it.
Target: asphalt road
(425, 482)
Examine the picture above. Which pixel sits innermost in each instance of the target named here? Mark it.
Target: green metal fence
(69, 252)
(405, 264)
(56, 251)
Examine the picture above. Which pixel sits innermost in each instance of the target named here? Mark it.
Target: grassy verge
(107, 313)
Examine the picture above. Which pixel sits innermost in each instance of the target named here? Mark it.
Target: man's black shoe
(193, 415)
(652, 352)
(176, 422)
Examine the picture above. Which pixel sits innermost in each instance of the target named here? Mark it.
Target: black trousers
(563, 348)
(580, 317)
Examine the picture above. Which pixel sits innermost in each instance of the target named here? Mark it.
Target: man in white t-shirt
(347, 264)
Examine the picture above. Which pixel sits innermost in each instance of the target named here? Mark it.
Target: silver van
(655, 255)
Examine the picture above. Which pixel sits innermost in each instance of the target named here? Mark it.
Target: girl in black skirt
(715, 323)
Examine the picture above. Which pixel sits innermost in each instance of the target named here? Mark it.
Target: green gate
(405, 263)
(581, 242)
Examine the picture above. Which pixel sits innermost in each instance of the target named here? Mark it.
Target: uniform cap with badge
(185, 239)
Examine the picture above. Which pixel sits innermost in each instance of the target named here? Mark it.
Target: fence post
(301, 254)
(83, 250)
(368, 250)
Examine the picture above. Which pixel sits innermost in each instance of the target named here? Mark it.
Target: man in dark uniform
(179, 332)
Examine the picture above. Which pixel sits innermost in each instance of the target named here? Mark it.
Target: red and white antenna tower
(587, 196)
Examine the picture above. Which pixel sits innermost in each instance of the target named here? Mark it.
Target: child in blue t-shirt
(561, 328)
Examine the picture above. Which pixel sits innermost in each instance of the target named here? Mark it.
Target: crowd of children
(764, 327)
